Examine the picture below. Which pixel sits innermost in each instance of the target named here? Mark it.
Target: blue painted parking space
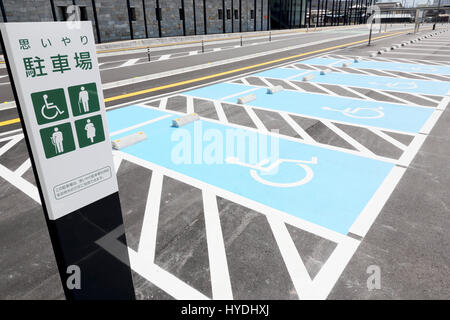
(381, 65)
(370, 113)
(322, 186)
(130, 116)
(357, 80)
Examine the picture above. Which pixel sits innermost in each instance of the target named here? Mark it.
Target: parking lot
(289, 195)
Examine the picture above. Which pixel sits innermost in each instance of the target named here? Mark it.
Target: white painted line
(426, 129)
(266, 82)
(298, 75)
(163, 103)
(217, 49)
(139, 125)
(190, 104)
(220, 112)
(238, 94)
(325, 146)
(163, 279)
(23, 168)
(361, 71)
(327, 277)
(254, 205)
(294, 264)
(129, 62)
(218, 265)
(418, 75)
(363, 96)
(421, 96)
(321, 87)
(347, 138)
(164, 57)
(389, 139)
(371, 211)
(10, 132)
(244, 81)
(20, 183)
(444, 102)
(147, 242)
(117, 161)
(258, 123)
(418, 54)
(193, 53)
(383, 93)
(125, 82)
(389, 74)
(13, 141)
(296, 127)
(410, 153)
(293, 85)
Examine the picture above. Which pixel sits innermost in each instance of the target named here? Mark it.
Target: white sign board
(57, 79)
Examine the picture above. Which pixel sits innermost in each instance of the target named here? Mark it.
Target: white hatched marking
(129, 62)
(347, 138)
(164, 57)
(163, 103)
(23, 168)
(189, 104)
(258, 123)
(218, 265)
(220, 112)
(296, 127)
(293, 85)
(147, 242)
(389, 139)
(294, 264)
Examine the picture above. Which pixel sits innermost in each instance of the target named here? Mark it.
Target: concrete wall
(114, 24)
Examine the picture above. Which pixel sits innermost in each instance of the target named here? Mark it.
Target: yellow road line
(177, 84)
(8, 122)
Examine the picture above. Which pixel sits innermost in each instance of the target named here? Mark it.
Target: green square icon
(84, 99)
(90, 131)
(57, 140)
(50, 106)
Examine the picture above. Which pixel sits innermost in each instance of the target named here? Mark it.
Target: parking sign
(58, 84)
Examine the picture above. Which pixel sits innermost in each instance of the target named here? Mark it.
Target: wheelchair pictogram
(50, 106)
(266, 169)
(50, 110)
(401, 85)
(367, 113)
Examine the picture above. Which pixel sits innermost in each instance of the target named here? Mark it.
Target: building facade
(115, 20)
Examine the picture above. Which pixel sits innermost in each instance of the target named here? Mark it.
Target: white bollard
(244, 100)
(181, 121)
(129, 140)
(308, 77)
(275, 89)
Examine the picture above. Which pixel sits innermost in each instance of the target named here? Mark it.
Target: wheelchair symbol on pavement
(397, 85)
(376, 113)
(47, 107)
(264, 168)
